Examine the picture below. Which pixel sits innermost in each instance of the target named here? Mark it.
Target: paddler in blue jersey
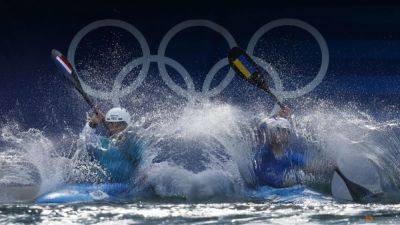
(117, 149)
(274, 161)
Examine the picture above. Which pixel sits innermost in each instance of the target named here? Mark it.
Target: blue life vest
(118, 158)
(271, 170)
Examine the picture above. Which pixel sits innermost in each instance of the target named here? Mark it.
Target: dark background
(363, 39)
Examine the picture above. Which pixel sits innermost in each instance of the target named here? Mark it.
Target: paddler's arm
(96, 135)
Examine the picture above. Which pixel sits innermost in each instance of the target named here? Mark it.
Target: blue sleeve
(298, 159)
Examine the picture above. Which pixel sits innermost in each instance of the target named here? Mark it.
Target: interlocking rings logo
(145, 60)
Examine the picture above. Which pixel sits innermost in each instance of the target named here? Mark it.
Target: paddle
(71, 76)
(343, 188)
(247, 69)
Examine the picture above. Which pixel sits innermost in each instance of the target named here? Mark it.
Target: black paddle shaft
(262, 84)
(71, 76)
(85, 96)
(79, 88)
(256, 77)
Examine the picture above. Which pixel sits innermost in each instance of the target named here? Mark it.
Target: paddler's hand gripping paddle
(247, 69)
(71, 76)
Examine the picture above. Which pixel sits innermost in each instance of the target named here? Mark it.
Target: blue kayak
(86, 193)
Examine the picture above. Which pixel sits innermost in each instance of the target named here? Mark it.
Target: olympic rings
(194, 23)
(117, 92)
(315, 33)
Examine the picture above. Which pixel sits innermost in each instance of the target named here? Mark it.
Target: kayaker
(113, 142)
(274, 161)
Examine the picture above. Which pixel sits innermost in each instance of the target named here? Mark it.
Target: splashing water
(365, 149)
(205, 151)
(31, 164)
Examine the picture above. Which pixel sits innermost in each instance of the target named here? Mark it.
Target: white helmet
(273, 123)
(118, 114)
(278, 122)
